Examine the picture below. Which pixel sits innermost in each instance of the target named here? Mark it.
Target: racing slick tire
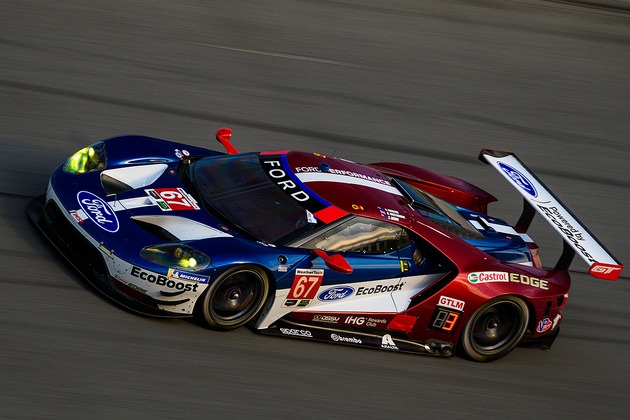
(234, 298)
(495, 329)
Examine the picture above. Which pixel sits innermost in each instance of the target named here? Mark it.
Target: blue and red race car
(298, 244)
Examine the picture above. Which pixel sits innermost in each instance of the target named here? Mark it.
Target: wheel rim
(497, 326)
(237, 296)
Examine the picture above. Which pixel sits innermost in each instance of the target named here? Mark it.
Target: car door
(370, 247)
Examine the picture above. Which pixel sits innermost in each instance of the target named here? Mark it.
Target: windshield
(239, 190)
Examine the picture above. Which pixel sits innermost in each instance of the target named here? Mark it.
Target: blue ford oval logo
(98, 211)
(335, 293)
(520, 179)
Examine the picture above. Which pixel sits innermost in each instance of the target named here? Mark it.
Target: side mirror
(223, 136)
(335, 262)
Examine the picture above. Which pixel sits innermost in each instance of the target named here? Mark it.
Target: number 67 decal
(305, 284)
(172, 199)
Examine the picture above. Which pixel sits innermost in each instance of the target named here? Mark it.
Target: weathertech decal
(305, 283)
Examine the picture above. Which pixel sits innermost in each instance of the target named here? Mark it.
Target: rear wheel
(495, 329)
(234, 298)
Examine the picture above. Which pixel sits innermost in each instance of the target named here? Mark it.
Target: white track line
(287, 56)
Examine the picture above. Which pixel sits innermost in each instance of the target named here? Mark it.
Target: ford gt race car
(384, 255)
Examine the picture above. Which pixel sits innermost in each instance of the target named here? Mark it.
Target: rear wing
(538, 198)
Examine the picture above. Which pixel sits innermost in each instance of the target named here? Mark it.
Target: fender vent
(114, 186)
(119, 180)
(155, 230)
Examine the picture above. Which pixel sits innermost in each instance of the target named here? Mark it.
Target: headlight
(88, 159)
(176, 255)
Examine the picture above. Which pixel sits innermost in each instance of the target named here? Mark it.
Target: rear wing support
(537, 198)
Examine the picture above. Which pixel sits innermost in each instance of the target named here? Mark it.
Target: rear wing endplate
(538, 198)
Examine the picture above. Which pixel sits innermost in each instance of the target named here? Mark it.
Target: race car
(299, 244)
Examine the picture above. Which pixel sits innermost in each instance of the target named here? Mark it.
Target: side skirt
(383, 341)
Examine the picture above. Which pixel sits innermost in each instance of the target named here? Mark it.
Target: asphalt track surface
(423, 82)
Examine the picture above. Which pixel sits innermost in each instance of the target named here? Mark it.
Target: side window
(362, 236)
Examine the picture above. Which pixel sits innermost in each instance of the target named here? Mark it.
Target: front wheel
(234, 298)
(495, 329)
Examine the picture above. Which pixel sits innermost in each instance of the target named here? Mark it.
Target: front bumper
(85, 257)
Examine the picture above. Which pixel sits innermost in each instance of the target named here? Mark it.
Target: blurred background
(422, 82)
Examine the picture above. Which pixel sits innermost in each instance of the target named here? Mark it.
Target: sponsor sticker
(607, 271)
(501, 276)
(335, 293)
(388, 343)
(519, 179)
(379, 288)
(305, 283)
(488, 276)
(276, 172)
(172, 199)
(295, 302)
(183, 275)
(161, 280)
(326, 318)
(555, 321)
(98, 211)
(529, 281)
(296, 332)
(136, 288)
(364, 321)
(544, 325)
(342, 339)
(390, 214)
(572, 232)
(451, 303)
(77, 216)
